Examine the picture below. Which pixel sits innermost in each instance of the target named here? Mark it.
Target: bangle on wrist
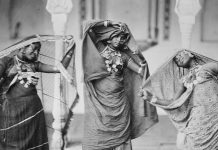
(154, 100)
(140, 70)
(106, 23)
(142, 64)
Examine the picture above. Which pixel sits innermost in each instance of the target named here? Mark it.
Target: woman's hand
(146, 95)
(120, 25)
(141, 94)
(33, 78)
(71, 48)
(70, 42)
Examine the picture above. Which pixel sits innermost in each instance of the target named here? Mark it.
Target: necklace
(113, 59)
(24, 72)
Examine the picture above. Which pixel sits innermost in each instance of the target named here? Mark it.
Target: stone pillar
(59, 10)
(186, 11)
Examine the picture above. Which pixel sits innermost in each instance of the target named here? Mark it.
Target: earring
(23, 52)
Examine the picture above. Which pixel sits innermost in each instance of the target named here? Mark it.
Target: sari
(23, 125)
(114, 113)
(19, 105)
(195, 112)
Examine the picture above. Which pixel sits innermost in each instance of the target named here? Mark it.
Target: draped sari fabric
(113, 111)
(23, 125)
(19, 104)
(194, 113)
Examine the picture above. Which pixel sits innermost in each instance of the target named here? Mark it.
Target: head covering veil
(143, 114)
(47, 56)
(163, 85)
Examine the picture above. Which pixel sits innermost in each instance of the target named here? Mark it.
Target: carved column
(186, 11)
(59, 10)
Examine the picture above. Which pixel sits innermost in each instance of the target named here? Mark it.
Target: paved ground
(162, 136)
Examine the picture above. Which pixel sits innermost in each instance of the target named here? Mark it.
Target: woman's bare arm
(136, 68)
(65, 61)
(48, 68)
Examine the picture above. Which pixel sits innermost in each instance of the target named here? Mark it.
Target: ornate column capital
(187, 10)
(59, 6)
(59, 10)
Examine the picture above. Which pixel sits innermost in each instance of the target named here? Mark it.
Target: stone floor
(162, 136)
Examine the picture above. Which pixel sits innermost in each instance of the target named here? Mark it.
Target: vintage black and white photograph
(108, 75)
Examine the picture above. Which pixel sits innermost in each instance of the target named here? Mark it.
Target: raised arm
(65, 61)
(48, 68)
(93, 35)
(96, 30)
(149, 97)
(105, 24)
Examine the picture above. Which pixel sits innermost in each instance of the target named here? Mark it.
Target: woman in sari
(113, 71)
(22, 120)
(188, 92)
